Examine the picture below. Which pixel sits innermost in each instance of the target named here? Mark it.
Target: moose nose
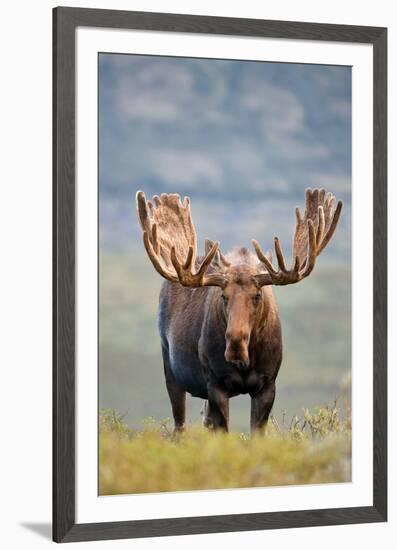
(239, 358)
(237, 349)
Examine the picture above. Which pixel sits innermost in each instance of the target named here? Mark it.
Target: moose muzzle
(237, 349)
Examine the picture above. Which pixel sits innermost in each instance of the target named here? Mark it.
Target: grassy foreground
(313, 449)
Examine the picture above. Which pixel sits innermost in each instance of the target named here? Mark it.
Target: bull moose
(218, 320)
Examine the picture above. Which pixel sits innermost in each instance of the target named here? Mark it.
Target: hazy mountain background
(242, 139)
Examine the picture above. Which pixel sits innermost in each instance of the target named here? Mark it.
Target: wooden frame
(65, 22)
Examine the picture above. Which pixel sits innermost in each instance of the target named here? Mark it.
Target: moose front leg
(176, 394)
(261, 405)
(216, 409)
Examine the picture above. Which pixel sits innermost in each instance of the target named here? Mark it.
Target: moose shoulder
(218, 321)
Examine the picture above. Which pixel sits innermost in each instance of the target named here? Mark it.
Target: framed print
(220, 274)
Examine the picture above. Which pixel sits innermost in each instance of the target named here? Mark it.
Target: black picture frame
(65, 22)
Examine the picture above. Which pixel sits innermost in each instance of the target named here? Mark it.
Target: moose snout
(237, 348)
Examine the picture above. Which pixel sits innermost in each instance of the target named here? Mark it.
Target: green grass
(315, 448)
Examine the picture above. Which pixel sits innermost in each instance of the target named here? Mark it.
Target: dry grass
(313, 449)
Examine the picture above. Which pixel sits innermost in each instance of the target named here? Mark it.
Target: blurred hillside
(316, 331)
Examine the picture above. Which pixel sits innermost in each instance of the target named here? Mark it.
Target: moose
(218, 320)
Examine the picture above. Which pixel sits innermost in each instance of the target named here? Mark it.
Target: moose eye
(257, 298)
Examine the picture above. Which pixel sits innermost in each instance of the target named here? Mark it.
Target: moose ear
(219, 261)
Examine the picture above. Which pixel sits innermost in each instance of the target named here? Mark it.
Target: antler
(171, 243)
(312, 234)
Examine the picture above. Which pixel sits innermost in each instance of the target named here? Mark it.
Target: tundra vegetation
(310, 449)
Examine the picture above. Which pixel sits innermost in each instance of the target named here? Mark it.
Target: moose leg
(177, 396)
(261, 405)
(205, 413)
(216, 409)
